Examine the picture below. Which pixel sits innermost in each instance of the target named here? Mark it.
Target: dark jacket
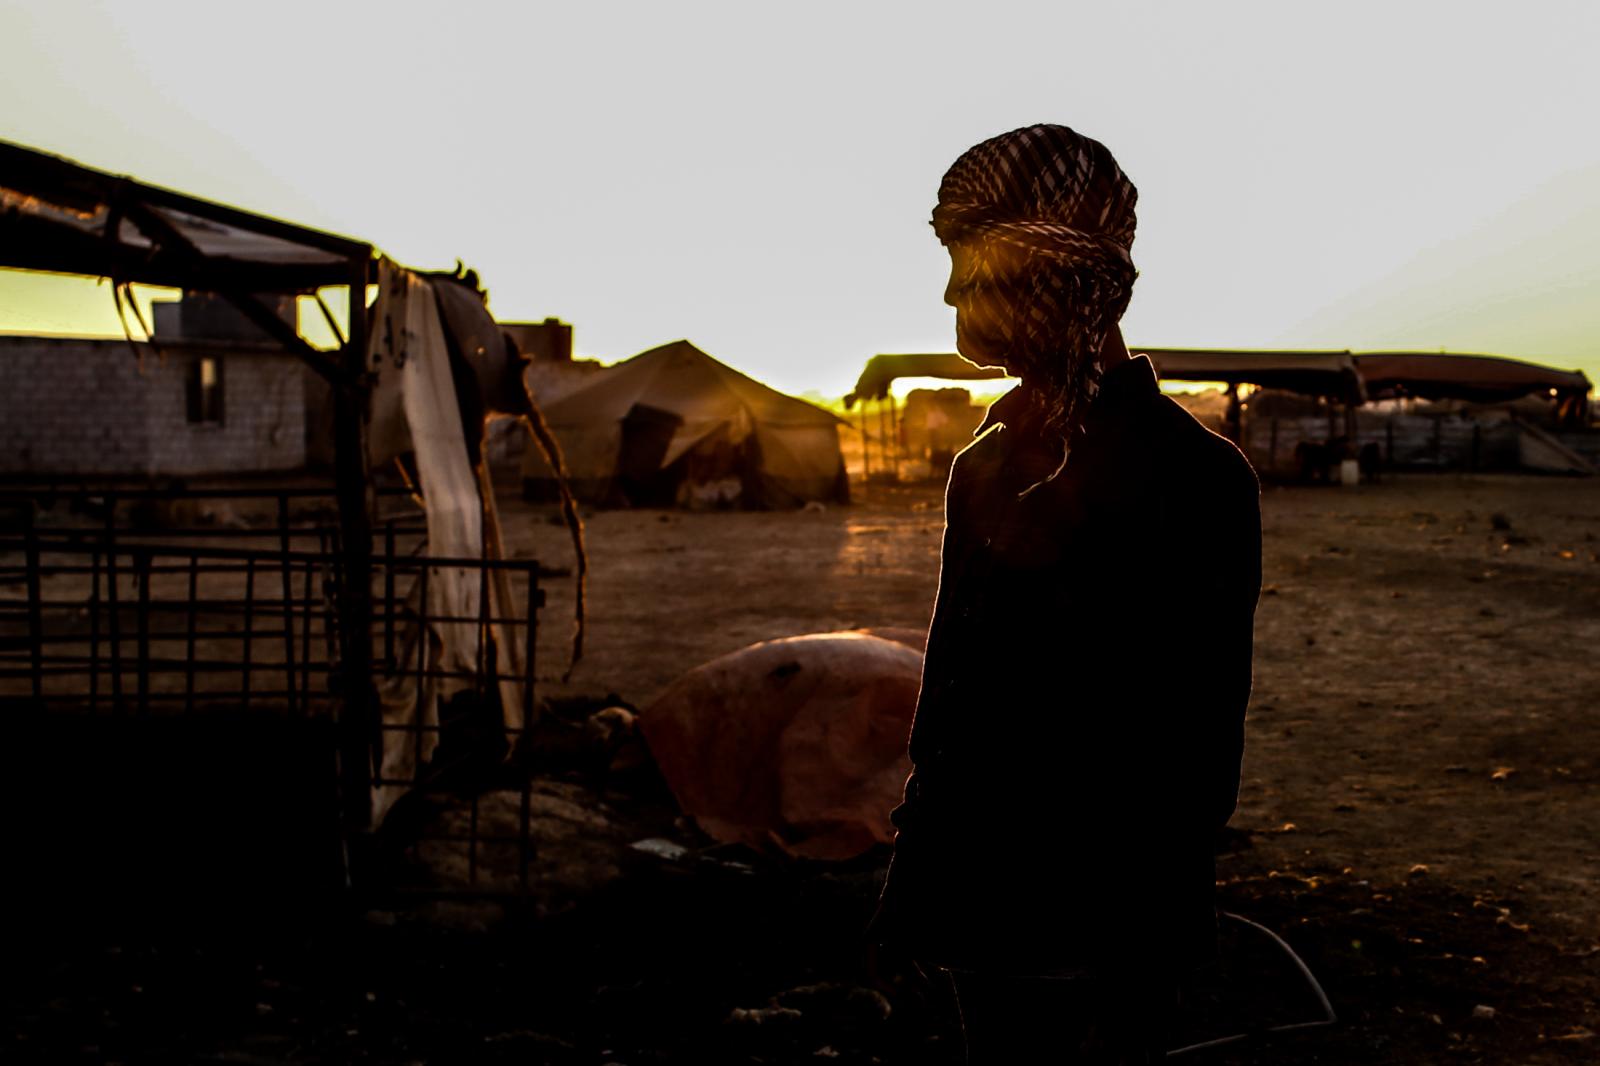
(1079, 731)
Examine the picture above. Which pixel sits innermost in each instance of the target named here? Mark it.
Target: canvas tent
(674, 426)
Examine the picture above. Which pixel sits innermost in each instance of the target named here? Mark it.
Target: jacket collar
(1129, 379)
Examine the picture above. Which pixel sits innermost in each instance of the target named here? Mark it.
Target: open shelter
(1474, 378)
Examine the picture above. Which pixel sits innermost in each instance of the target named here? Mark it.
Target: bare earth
(1420, 820)
(1423, 733)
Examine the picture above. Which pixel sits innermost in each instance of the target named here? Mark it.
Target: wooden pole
(884, 439)
(894, 428)
(866, 460)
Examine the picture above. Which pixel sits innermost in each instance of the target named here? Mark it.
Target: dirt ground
(1419, 819)
(1425, 721)
(1425, 694)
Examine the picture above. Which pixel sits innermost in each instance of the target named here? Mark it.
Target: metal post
(114, 617)
(287, 584)
(531, 636)
(191, 624)
(249, 629)
(306, 591)
(94, 633)
(358, 738)
(481, 686)
(424, 693)
(141, 563)
(35, 608)
(388, 596)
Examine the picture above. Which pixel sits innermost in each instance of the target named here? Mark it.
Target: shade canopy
(1328, 373)
(1337, 375)
(1478, 378)
(882, 370)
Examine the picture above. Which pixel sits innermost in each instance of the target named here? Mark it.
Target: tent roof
(681, 379)
(58, 215)
(1482, 378)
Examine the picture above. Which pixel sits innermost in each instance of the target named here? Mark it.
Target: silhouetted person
(1079, 731)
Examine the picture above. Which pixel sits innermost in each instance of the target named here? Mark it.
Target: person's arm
(928, 729)
(1202, 647)
(929, 723)
(1226, 650)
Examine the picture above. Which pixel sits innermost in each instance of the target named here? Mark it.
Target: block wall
(73, 406)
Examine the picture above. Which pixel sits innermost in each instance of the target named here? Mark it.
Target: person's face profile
(971, 292)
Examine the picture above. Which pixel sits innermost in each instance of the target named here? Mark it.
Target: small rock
(661, 848)
(1418, 870)
(1481, 1011)
(764, 1016)
(1502, 773)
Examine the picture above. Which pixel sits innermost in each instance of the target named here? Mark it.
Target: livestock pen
(173, 683)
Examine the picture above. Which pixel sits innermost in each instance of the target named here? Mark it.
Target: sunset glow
(1305, 179)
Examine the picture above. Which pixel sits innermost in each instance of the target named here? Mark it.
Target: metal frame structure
(321, 595)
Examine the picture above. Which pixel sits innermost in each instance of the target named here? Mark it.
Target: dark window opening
(205, 390)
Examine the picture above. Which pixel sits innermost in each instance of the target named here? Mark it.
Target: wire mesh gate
(194, 622)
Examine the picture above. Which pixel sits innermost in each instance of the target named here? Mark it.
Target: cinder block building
(211, 396)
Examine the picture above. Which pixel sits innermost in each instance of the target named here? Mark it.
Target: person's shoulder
(980, 459)
(1201, 454)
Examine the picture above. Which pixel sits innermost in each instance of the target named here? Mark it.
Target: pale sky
(758, 177)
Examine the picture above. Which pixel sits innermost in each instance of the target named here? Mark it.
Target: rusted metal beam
(249, 304)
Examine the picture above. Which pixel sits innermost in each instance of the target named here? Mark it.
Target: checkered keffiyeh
(1048, 218)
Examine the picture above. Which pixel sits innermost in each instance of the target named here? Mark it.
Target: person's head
(1038, 223)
